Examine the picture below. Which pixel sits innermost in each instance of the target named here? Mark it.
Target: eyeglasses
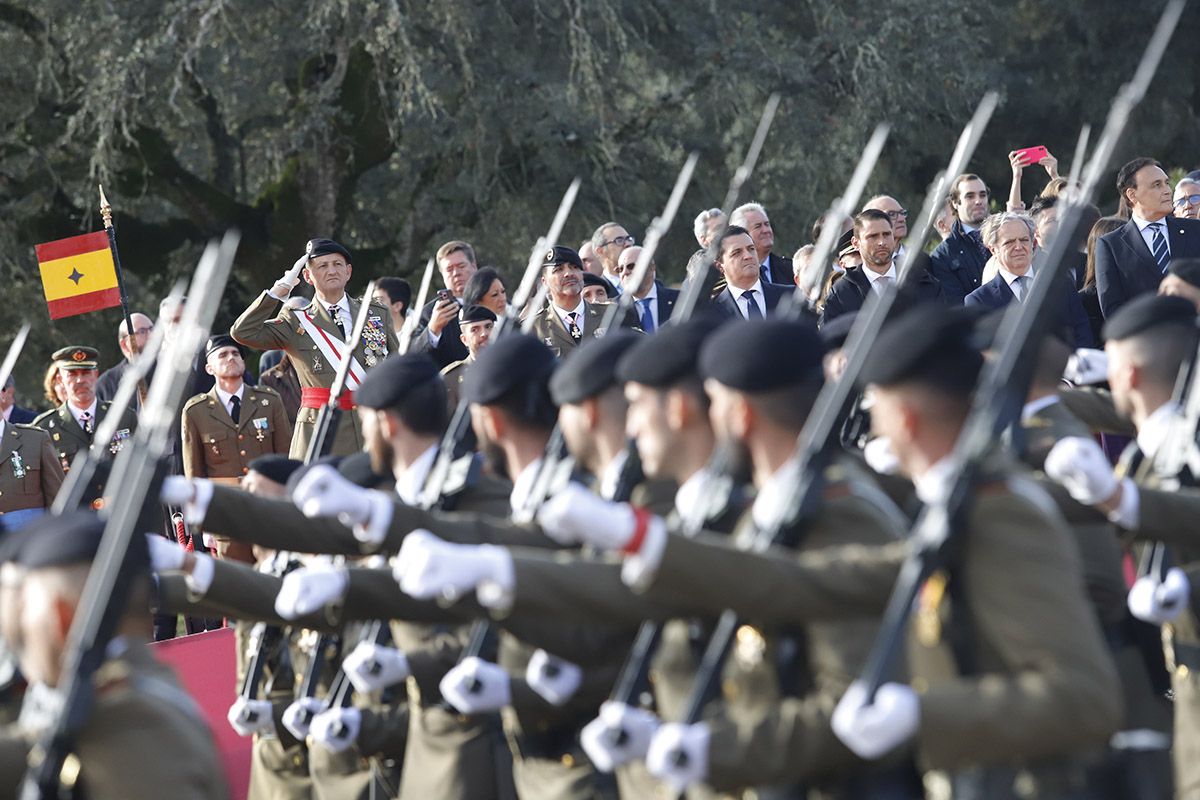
(621, 270)
(1190, 200)
(620, 240)
(140, 332)
(901, 214)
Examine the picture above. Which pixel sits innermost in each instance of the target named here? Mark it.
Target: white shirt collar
(1155, 429)
(612, 473)
(411, 482)
(1034, 406)
(768, 505)
(523, 485)
(873, 276)
(690, 492)
(343, 304)
(1009, 277)
(1143, 224)
(225, 396)
(578, 310)
(653, 293)
(7, 413)
(932, 486)
(76, 412)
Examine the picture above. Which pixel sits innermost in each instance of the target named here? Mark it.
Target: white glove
(872, 730)
(620, 734)
(578, 516)
(191, 494)
(165, 555)
(310, 589)
(678, 754)
(554, 678)
(299, 716)
(323, 492)
(476, 686)
(881, 457)
(337, 728)
(249, 717)
(1080, 465)
(1087, 366)
(283, 287)
(371, 667)
(176, 490)
(428, 567)
(1160, 602)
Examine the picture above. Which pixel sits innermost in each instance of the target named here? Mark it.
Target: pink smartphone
(1033, 154)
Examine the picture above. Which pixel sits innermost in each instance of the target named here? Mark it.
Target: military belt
(315, 397)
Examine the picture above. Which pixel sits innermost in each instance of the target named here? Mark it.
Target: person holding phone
(439, 333)
(1019, 160)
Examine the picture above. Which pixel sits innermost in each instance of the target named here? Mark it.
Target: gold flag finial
(105, 209)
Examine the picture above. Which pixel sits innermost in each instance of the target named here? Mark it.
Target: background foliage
(394, 125)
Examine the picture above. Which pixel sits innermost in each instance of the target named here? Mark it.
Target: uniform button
(568, 760)
(243, 452)
(241, 436)
(245, 470)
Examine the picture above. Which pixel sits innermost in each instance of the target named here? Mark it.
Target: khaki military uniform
(30, 471)
(214, 446)
(548, 326)
(452, 376)
(67, 438)
(267, 327)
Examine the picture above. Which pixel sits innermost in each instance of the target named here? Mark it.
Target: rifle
(412, 319)
(1003, 384)
(14, 352)
(106, 590)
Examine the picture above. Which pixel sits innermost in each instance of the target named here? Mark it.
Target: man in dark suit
(653, 302)
(873, 238)
(438, 332)
(774, 268)
(12, 412)
(958, 261)
(1011, 242)
(1133, 259)
(746, 295)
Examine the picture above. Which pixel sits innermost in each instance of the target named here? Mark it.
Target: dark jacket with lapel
(772, 294)
(449, 347)
(849, 292)
(958, 264)
(779, 270)
(996, 294)
(1125, 267)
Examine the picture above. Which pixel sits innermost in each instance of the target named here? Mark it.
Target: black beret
(513, 361)
(670, 355)
(324, 247)
(592, 368)
(217, 342)
(73, 538)
(389, 383)
(76, 357)
(931, 345)
(561, 255)
(835, 332)
(762, 355)
(1148, 311)
(476, 314)
(275, 467)
(1186, 269)
(591, 279)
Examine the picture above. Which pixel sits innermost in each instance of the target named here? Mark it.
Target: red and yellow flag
(78, 275)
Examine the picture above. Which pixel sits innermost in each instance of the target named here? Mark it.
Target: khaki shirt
(216, 447)
(30, 472)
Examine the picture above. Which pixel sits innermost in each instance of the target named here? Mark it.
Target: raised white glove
(371, 667)
(620, 734)
(249, 717)
(337, 728)
(310, 589)
(323, 492)
(1087, 366)
(165, 555)
(1159, 602)
(283, 287)
(554, 678)
(1082, 468)
(678, 754)
(578, 516)
(881, 457)
(428, 567)
(476, 686)
(872, 730)
(299, 716)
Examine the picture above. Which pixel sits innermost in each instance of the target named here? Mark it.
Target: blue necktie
(1162, 255)
(647, 317)
(752, 311)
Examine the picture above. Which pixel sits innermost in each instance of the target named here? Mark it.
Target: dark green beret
(931, 345)
(592, 368)
(590, 279)
(561, 255)
(73, 538)
(217, 342)
(762, 355)
(513, 361)
(670, 355)
(275, 467)
(324, 247)
(389, 383)
(476, 314)
(1148, 311)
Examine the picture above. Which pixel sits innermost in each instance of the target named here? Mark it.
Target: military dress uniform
(214, 446)
(30, 473)
(264, 325)
(453, 375)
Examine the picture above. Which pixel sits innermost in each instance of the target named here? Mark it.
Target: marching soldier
(73, 424)
(566, 320)
(30, 473)
(476, 324)
(315, 337)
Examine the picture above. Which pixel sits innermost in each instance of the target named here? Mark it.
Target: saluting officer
(30, 473)
(314, 337)
(73, 424)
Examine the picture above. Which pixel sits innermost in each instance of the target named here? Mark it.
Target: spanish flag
(78, 275)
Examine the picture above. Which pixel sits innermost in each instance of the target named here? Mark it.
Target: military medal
(18, 465)
(260, 425)
(317, 365)
(213, 444)
(371, 360)
(118, 441)
(929, 601)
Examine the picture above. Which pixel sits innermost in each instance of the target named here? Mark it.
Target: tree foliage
(394, 125)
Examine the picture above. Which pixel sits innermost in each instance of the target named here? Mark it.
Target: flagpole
(107, 216)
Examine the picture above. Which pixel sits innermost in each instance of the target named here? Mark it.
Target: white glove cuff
(195, 510)
(1127, 514)
(375, 529)
(639, 569)
(497, 590)
(200, 579)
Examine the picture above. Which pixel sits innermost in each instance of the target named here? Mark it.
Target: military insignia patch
(18, 465)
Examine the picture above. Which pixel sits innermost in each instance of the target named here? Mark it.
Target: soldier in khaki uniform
(566, 320)
(139, 709)
(314, 339)
(73, 424)
(476, 324)
(30, 473)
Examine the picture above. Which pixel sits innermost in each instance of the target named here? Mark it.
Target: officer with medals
(567, 320)
(73, 424)
(30, 473)
(314, 337)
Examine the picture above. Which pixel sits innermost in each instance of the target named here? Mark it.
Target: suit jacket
(1125, 267)
(772, 294)
(267, 326)
(958, 264)
(779, 270)
(449, 347)
(548, 326)
(849, 292)
(67, 438)
(996, 294)
(30, 472)
(214, 446)
(664, 303)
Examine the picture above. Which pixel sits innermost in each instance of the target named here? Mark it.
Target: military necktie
(647, 315)
(573, 326)
(752, 310)
(235, 409)
(336, 313)
(1162, 254)
(85, 422)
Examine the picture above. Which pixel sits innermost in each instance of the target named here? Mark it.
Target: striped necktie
(1162, 254)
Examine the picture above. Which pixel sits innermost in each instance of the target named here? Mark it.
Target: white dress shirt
(564, 315)
(77, 413)
(758, 298)
(410, 484)
(1011, 277)
(874, 277)
(1148, 234)
(226, 398)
